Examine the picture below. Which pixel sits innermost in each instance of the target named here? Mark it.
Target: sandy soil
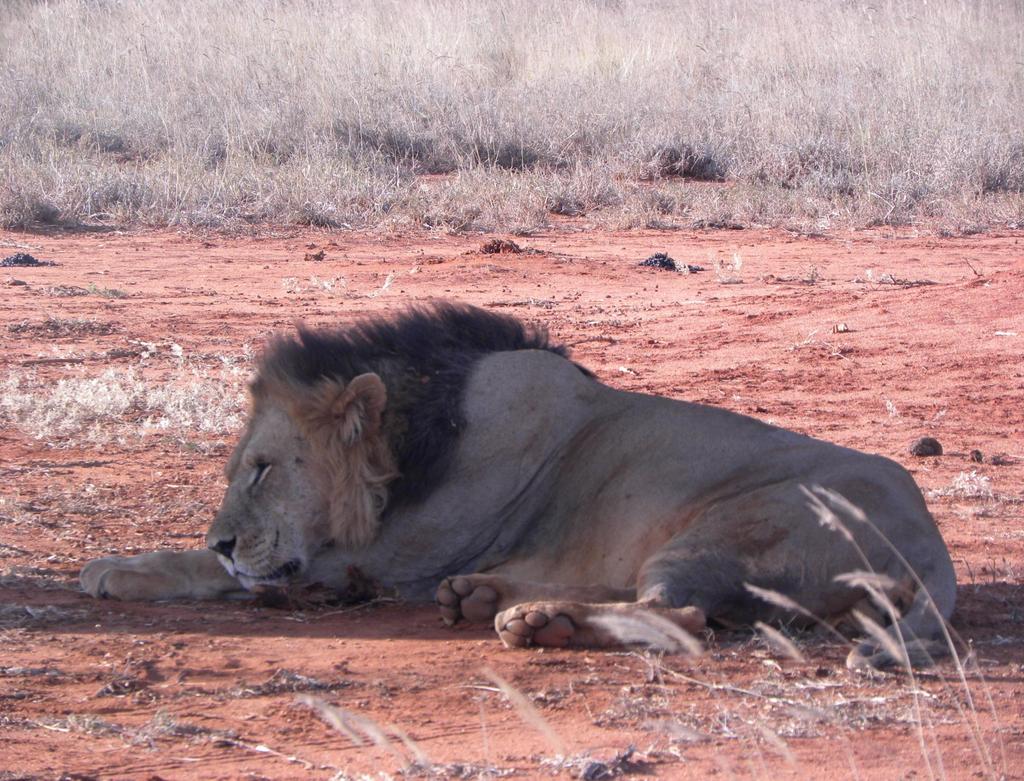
(827, 335)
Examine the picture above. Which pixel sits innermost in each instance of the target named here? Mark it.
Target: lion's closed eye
(260, 471)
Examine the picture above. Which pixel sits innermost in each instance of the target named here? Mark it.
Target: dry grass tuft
(968, 485)
(124, 404)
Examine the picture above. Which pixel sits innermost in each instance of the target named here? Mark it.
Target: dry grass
(60, 327)
(363, 731)
(124, 404)
(322, 113)
(967, 485)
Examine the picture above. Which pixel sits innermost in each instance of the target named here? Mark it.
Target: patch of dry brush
(326, 113)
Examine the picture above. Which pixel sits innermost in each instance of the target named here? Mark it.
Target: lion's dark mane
(424, 356)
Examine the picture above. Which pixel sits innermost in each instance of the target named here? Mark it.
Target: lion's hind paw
(534, 624)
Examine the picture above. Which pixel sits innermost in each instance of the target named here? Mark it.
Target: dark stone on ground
(663, 261)
(23, 259)
(500, 247)
(660, 260)
(926, 446)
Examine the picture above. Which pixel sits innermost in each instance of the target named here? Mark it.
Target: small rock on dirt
(316, 256)
(121, 686)
(976, 456)
(926, 446)
(663, 261)
(621, 764)
(1000, 459)
(660, 260)
(24, 259)
(500, 247)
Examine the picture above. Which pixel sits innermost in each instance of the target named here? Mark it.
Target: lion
(454, 454)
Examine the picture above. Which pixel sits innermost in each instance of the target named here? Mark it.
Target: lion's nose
(224, 547)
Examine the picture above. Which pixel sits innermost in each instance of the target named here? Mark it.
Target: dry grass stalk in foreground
(837, 513)
(526, 710)
(324, 113)
(362, 730)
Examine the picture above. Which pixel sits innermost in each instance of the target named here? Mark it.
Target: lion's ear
(359, 410)
(348, 412)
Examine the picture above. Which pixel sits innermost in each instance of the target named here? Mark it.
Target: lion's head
(336, 415)
(310, 471)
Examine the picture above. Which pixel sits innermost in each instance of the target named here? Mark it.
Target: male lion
(456, 452)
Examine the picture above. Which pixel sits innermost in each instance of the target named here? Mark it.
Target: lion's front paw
(114, 577)
(466, 597)
(159, 575)
(535, 624)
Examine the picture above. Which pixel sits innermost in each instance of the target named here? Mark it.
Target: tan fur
(343, 425)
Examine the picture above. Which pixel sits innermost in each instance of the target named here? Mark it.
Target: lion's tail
(920, 635)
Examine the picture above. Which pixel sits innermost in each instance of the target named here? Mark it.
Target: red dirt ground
(92, 689)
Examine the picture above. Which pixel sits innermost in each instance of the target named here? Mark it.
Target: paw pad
(460, 598)
(519, 628)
